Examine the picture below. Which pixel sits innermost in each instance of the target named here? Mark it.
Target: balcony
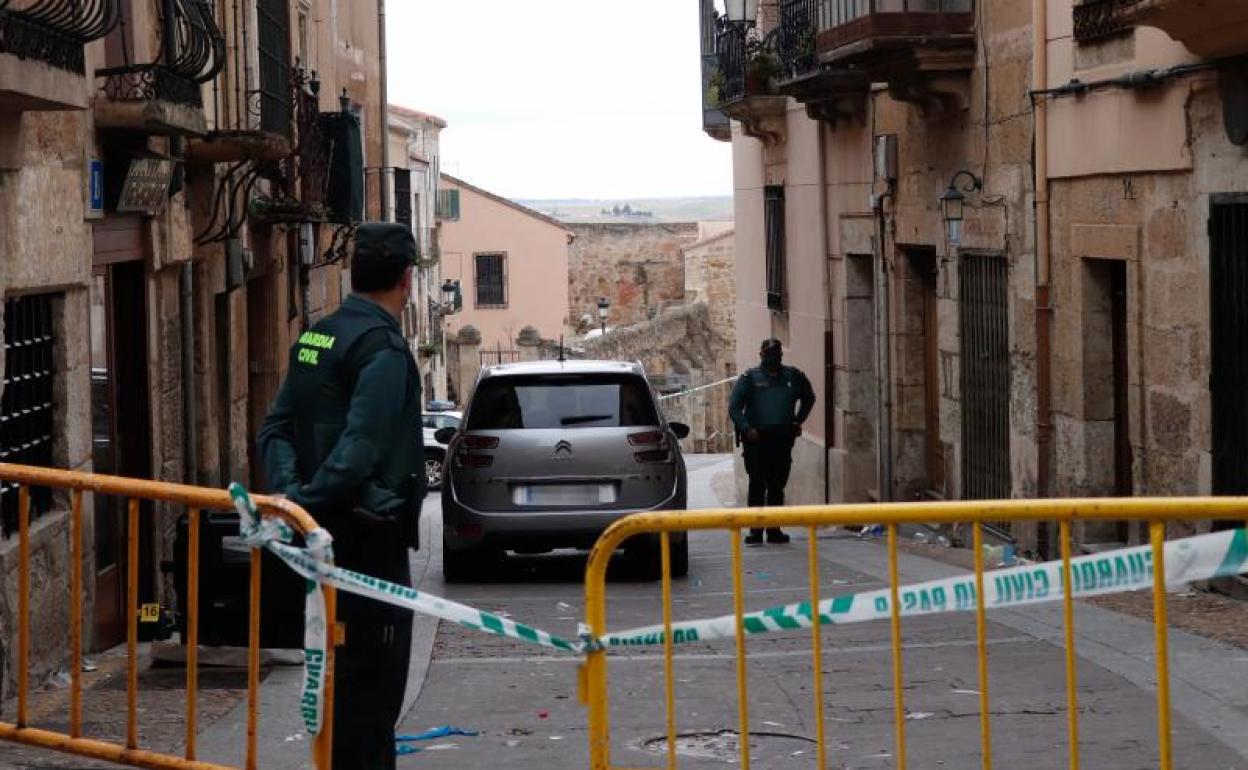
(166, 96)
(1219, 28)
(42, 65)
(830, 50)
(739, 74)
(255, 119)
(830, 93)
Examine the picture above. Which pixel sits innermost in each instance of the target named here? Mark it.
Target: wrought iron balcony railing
(842, 23)
(55, 31)
(1100, 19)
(194, 55)
(795, 43)
(714, 121)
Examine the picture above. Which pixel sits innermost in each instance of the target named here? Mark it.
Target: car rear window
(545, 402)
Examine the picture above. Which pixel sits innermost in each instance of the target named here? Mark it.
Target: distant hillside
(636, 209)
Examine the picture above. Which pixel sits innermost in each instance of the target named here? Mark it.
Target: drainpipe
(190, 437)
(1044, 306)
(884, 363)
(829, 370)
(385, 112)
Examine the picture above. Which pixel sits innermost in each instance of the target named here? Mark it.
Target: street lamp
(604, 307)
(953, 204)
(449, 290)
(742, 13)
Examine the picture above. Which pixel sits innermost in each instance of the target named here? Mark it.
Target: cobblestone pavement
(524, 699)
(161, 710)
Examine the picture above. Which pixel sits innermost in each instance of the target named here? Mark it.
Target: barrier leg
(899, 704)
(981, 640)
(1072, 674)
(669, 674)
(738, 604)
(821, 748)
(1157, 530)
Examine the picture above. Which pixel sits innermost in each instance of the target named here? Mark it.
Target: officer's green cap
(770, 345)
(383, 239)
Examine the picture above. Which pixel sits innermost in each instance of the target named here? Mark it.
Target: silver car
(548, 455)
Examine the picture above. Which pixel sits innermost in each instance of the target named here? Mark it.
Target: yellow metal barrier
(195, 499)
(1154, 511)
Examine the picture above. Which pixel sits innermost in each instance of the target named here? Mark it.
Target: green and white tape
(1203, 557)
(315, 563)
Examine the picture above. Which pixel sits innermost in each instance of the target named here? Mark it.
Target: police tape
(1203, 557)
(315, 563)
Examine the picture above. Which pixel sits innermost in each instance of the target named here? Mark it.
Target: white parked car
(435, 452)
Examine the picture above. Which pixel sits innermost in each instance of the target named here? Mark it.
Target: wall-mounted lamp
(450, 297)
(953, 203)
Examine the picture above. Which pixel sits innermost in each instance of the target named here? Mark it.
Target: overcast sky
(561, 98)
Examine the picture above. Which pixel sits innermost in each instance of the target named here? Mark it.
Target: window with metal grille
(27, 407)
(773, 215)
(274, 49)
(403, 197)
(491, 272)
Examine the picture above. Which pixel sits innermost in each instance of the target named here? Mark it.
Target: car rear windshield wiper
(585, 418)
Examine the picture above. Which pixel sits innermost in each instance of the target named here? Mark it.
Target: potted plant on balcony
(427, 349)
(759, 70)
(715, 89)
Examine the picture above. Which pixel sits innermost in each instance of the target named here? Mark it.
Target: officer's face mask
(772, 359)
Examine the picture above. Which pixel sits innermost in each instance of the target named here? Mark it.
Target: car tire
(644, 557)
(680, 557)
(435, 468)
(467, 564)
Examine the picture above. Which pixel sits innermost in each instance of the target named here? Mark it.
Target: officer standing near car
(344, 440)
(768, 406)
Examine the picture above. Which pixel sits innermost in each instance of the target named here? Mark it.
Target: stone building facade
(638, 267)
(169, 221)
(1060, 337)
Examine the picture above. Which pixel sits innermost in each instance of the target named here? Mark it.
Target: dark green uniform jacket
(344, 438)
(769, 403)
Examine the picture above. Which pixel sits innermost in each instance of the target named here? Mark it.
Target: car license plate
(564, 494)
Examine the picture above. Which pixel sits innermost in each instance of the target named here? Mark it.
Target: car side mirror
(680, 429)
(444, 435)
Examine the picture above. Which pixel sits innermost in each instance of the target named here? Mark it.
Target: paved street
(523, 699)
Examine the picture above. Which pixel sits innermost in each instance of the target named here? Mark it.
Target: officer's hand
(751, 435)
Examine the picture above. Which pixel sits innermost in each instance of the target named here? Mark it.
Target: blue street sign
(95, 180)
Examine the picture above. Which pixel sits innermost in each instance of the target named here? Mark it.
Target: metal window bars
(27, 410)
(55, 31)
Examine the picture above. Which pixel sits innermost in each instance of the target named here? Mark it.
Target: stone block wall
(638, 267)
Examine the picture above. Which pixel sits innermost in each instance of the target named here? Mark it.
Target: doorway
(120, 417)
(1228, 305)
(984, 330)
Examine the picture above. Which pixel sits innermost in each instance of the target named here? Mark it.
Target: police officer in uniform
(768, 406)
(344, 440)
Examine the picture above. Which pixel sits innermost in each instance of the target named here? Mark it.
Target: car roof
(562, 367)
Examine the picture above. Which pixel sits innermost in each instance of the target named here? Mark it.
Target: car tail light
(480, 442)
(475, 461)
(648, 438)
(653, 456)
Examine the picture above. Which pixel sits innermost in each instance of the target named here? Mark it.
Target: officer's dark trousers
(370, 672)
(768, 462)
